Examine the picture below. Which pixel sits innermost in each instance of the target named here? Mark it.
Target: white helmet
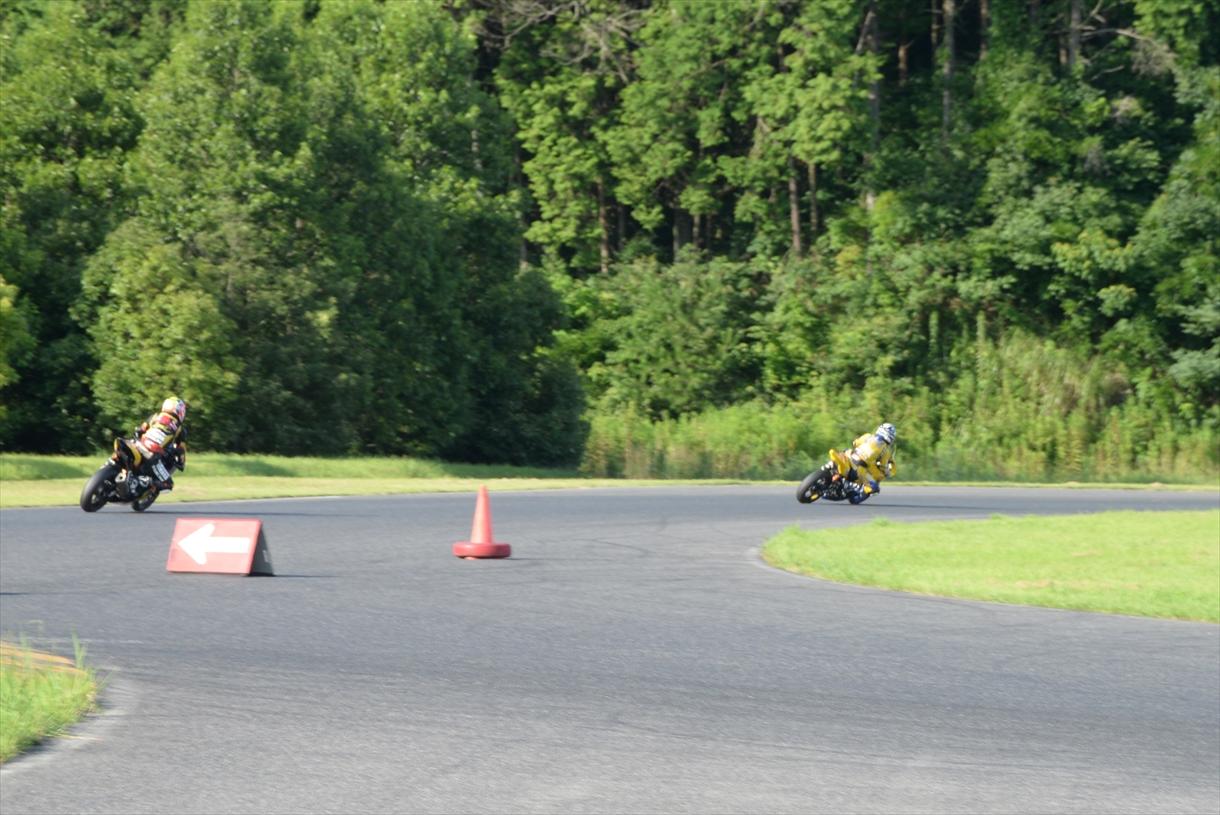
(887, 433)
(175, 407)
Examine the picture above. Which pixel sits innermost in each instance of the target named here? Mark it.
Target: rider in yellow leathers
(869, 461)
(161, 442)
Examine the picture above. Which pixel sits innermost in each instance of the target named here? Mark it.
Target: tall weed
(1023, 410)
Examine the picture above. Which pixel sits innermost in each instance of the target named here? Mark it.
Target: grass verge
(34, 467)
(28, 480)
(1151, 564)
(40, 695)
(66, 492)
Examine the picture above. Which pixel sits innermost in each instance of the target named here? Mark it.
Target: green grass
(40, 695)
(32, 467)
(66, 492)
(1152, 564)
(28, 480)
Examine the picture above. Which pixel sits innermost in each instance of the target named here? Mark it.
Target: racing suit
(872, 460)
(161, 442)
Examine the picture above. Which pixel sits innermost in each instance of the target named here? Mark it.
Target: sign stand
(219, 546)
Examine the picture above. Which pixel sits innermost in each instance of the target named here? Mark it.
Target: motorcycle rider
(872, 460)
(162, 435)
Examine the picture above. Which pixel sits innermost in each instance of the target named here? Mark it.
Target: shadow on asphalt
(233, 514)
(944, 506)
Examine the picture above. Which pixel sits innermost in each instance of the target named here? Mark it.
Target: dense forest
(648, 237)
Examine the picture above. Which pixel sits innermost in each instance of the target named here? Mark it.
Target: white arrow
(200, 542)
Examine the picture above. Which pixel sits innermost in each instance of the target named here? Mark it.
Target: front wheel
(809, 491)
(98, 488)
(146, 500)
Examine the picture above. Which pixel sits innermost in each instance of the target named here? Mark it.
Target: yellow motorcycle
(829, 481)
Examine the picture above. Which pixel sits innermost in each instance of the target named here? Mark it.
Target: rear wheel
(98, 488)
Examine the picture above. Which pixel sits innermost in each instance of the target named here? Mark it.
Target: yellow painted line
(26, 658)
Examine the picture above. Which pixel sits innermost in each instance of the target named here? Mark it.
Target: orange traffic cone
(481, 544)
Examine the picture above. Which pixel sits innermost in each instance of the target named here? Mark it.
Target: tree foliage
(445, 227)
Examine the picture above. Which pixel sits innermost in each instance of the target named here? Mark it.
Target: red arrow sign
(223, 545)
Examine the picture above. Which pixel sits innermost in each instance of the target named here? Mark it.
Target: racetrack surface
(633, 656)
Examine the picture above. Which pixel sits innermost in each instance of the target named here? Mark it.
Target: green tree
(681, 336)
(559, 75)
(684, 115)
(215, 289)
(16, 342)
(1178, 248)
(456, 343)
(67, 122)
(810, 109)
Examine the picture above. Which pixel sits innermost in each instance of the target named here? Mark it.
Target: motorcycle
(829, 481)
(123, 479)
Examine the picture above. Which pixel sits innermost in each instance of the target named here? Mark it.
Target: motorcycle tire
(93, 496)
(807, 493)
(146, 500)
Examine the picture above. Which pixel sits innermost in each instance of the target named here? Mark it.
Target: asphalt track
(633, 656)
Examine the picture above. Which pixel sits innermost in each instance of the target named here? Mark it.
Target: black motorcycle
(121, 480)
